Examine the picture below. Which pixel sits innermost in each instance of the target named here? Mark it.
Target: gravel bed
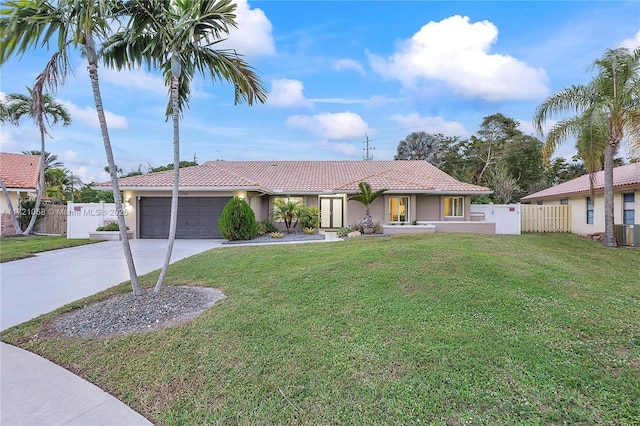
(126, 313)
(293, 237)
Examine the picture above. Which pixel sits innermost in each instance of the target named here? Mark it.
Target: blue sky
(337, 71)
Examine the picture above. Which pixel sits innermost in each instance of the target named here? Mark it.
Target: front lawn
(438, 328)
(14, 248)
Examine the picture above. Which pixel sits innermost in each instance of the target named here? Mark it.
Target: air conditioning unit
(627, 235)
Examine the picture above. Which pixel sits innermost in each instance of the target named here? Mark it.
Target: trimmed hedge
(237, 221)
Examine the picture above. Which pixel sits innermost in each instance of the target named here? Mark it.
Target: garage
(197, 217)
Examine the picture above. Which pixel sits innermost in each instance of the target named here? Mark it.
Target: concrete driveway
(38, 285)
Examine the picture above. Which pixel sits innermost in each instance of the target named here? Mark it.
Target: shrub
(237, 221)
(112, 226)
(309, 217)
(276, 234)
(309, 231)
(266, 227)
(26, 210)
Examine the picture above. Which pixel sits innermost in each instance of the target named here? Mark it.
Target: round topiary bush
(237, 221)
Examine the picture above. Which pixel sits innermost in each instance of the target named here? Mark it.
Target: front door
(331, 212)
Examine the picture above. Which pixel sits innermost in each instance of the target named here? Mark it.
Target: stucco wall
(427, 207)
(579, 211)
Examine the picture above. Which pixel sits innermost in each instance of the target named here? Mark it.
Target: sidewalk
(35, 391)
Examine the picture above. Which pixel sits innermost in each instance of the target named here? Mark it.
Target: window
(454, 206)
(299, 200)
(589, 211)
(564, 201)
(398, 209)
(539, 202)
(628, 208)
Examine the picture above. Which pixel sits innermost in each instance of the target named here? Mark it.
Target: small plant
(342, 232)
(309, 231)
(237, 221)
(276, 234)
(113, 226)
(415, 222)
(266, 227)
(309, 217)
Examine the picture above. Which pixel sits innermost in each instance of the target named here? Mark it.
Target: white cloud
(88, 116)
(134, 79)
(348, 64)
(340, 148)
(415, 122)
(252, 37)
(68, 156)
(632, 43)
(526, 127)
(8, 141)
(457, 52)
(342, 125)
(288, 93)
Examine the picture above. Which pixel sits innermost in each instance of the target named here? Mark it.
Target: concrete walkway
(34, 391)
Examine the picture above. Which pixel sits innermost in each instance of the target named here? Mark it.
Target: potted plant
(367, 196)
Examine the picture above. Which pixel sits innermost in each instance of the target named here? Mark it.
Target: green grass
(431, 329)
(15, 248)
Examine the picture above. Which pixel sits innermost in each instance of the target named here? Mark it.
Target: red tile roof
(627, 176)
(296, 177)
(19, 171)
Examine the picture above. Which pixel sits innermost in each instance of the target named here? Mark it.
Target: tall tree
(608, 107)
(487, 149)
(179, 37)
(26, 24)
(421, 146)
(43, 109)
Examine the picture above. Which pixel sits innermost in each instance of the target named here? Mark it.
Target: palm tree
(179, 37)
(367, 196)
(50, 160)
(607, 110)
(26, 24)
(288, 211)
(42, 108)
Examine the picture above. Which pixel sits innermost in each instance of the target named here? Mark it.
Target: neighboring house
(418, 191)
(587, 212)
(20, 174)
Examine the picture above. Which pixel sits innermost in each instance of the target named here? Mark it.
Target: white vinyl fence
(505, 216)
(83, 218)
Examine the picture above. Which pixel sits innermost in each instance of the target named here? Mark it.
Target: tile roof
(623, 176)
(305, 177)
(19, 171)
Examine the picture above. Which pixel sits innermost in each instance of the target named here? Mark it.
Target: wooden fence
(54, 220)
(545, 218)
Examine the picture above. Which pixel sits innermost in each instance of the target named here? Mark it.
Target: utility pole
(366, 149)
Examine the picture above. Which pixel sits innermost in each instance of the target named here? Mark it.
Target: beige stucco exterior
(422, 207)
(578, 205)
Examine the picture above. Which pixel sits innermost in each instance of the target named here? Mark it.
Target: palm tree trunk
(173, 222)
(117, 197)
(14, 220)
(609, 154)
(34, 217)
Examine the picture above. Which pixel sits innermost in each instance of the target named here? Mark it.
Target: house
(20, 174)
(418, 193)
(587, 212)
